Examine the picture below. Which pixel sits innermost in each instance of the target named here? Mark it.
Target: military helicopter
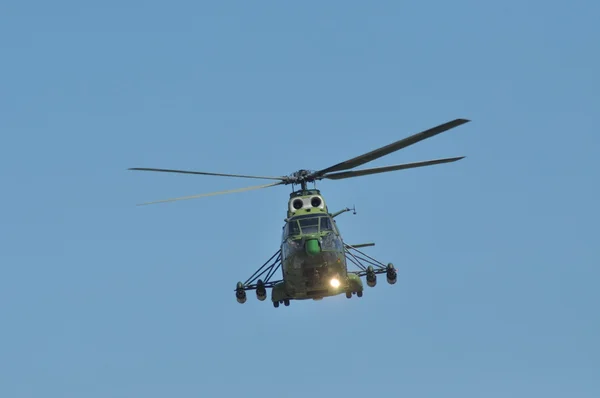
(312, 255)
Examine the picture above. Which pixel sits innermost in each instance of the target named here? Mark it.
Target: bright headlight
(334, 282)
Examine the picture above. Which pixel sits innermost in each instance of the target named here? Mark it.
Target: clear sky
(497, 254)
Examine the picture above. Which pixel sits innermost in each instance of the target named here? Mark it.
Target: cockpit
(308, 224)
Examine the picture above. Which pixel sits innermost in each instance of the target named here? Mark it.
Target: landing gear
(358, 294)
(285, 302)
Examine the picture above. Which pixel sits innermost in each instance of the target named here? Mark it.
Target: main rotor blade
(212, 194)
(208, 174)
(393, 147)
(375, 170)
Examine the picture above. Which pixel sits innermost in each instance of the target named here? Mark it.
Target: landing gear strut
(266, 271)
(371, 270)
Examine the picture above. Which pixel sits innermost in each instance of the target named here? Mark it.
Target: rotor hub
(301, 176)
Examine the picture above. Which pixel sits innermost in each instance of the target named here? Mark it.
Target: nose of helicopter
(312, 247)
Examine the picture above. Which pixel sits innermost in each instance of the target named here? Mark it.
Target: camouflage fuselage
(313, 256)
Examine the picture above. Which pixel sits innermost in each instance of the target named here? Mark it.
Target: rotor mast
(302, 178)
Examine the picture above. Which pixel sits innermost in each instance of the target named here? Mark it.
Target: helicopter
(313, 257)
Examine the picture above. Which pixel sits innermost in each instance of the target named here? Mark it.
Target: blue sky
(497, 254)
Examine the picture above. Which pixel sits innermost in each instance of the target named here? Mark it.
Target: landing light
(335, 283)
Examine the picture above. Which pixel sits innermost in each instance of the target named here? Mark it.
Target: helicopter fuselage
(313, 260)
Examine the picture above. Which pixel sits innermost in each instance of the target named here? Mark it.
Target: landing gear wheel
(276, 304)
(348, 294)
(286, 302)
(359, 293)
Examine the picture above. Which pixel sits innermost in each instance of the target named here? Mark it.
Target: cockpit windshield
(308, 224)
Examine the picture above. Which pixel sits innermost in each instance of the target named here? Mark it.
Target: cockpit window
(293, 228)
(308, 224)
(326, 224)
